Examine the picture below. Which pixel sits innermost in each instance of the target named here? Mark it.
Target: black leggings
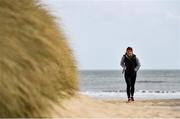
(130, 81)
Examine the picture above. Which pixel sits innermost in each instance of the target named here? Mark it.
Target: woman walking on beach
(131, 65)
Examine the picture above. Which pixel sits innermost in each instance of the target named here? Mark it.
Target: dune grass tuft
(37, 68)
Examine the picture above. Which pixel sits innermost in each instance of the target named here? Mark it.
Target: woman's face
(129, 53)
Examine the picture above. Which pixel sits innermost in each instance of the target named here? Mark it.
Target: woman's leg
(133, 80)
(128, 83)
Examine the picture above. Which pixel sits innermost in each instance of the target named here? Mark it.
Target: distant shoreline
(138, 95)
(121, 70)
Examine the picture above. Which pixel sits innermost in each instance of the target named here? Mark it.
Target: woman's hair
(129, 48)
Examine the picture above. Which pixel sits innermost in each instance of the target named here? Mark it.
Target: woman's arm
(123, 64)
(138, 64)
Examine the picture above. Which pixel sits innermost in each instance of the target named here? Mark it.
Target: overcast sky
(100, 30)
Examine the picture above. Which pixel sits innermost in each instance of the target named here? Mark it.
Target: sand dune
(37, 67)
(82, 106)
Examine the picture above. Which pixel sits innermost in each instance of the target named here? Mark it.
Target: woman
(131, 65)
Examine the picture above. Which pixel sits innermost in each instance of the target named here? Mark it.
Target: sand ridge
(86, 107)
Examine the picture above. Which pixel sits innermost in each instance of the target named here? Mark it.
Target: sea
(150, 84)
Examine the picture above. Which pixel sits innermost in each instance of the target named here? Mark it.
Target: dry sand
(86, 107)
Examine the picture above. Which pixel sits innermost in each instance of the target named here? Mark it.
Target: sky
(99, 31)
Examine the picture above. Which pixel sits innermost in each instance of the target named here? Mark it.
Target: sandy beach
(86, 107)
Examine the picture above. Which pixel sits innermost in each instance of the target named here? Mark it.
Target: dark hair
(129, 48)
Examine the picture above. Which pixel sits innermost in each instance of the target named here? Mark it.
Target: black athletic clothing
(130, 82)
(130, 68)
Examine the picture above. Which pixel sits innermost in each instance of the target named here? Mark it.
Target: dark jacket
(130, 65)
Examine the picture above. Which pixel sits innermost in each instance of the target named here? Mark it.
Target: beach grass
(37, 67)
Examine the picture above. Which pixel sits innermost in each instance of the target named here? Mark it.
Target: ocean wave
(141, 94)
(141, 91)
(151, 81)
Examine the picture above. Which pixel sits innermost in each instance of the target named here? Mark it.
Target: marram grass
(37, 68)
